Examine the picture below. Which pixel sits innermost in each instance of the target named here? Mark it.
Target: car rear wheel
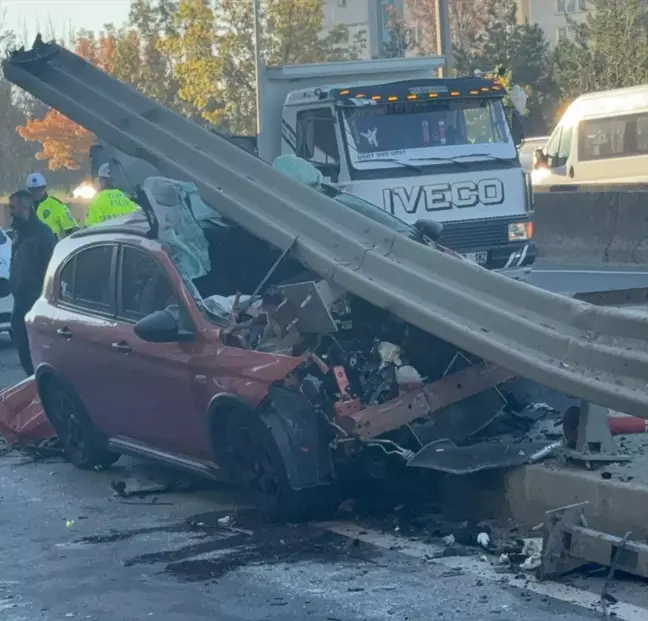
(81, 443)
(257, 467)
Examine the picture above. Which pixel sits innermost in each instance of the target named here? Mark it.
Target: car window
(145, 286)
(66, 282)
(86, 279)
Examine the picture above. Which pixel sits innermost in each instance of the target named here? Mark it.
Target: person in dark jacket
(30, 255)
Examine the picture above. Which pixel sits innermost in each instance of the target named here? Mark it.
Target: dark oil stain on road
(248, 539)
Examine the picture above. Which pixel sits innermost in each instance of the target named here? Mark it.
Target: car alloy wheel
(74, 429)
(251, 464)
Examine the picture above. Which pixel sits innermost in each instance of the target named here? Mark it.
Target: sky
(28, 17)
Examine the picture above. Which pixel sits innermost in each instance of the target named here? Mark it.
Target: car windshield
(369, 210)
(376, 131)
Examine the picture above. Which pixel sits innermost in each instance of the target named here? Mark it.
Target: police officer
(110, 202)
(30, 254)
(50, 209)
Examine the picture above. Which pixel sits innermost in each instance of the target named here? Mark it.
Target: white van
(601, 139)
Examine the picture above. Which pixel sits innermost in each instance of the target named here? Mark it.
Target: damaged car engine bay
(380, 389)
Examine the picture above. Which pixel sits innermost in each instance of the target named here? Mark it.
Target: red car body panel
(156, 393)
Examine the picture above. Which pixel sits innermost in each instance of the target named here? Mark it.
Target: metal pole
(444, 36)
(258, 61)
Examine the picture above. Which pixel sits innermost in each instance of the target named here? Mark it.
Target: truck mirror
(517, 132)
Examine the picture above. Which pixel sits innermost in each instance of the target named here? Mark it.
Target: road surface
(578, 279)
(70, 549)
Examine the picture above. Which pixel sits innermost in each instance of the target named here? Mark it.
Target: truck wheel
(258, 468)
(81, 443)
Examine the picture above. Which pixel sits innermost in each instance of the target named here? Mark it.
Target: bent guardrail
(598, 354)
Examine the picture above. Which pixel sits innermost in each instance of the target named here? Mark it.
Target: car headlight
(520, 231)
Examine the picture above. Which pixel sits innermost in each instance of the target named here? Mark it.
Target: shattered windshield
(388, 130)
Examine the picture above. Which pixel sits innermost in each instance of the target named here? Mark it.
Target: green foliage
(521, 48)
(610, 50)
(212, 52)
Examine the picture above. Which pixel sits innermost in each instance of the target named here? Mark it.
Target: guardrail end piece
(556, 559)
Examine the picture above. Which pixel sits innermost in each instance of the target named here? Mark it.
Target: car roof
(134, 223)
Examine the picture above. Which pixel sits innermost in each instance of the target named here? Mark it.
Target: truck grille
(477, 235)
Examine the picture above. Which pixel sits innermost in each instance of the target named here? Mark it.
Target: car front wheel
(257, 467)
(81, 443)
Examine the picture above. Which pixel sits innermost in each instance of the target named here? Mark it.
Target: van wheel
(81, 443)
(256, 466)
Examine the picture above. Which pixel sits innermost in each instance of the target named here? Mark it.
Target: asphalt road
(578, 279)
(70, 549)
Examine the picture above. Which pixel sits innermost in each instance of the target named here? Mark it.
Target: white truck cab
(392, 133)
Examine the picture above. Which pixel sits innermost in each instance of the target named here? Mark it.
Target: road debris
(136, 488)
(532, 563)
(22, 419)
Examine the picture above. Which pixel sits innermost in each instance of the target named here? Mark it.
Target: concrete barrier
(593, 225)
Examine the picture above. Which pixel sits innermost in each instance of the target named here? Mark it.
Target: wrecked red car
(144, 345)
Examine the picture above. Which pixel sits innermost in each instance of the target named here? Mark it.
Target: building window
(390, 12)
(582, 5)
(570, 6)
(342, 3)
(561, 34)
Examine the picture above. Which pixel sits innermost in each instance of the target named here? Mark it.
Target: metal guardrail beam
(597, 354)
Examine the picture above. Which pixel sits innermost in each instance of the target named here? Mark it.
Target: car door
(163, 407)
(83, 321)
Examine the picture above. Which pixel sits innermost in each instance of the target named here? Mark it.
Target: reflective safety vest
(56, 215)
(109, 204)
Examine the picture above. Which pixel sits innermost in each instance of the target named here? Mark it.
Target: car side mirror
(161, 327)
(540, 159)
(430, 228)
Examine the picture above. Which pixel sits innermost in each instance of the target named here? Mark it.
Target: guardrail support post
(587, 436)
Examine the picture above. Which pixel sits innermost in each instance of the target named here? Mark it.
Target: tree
(485, 35)
(64, 144)
(213, 52)
(15, 152)
(141, 58)
(609, 50)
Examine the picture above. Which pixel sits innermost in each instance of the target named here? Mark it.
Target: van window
(565, 146)
(642, 134)
(620, 136)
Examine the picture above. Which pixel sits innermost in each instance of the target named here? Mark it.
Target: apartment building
(371, 16)
(553, 15)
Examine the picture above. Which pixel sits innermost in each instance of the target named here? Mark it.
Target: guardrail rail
(595, 353)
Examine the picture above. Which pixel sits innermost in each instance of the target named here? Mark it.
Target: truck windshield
(399, 129)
